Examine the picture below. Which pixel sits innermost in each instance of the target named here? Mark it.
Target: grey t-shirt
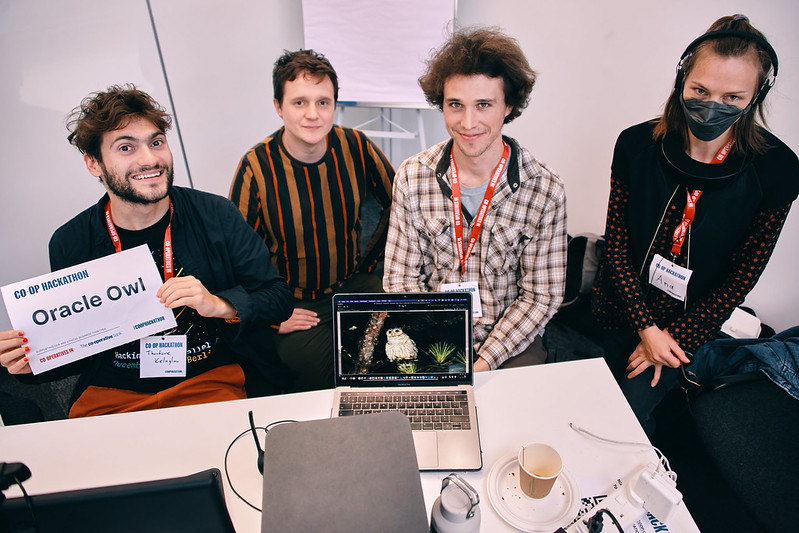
(472, 197)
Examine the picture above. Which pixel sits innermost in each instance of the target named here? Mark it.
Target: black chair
(750, 429)
(15, 410)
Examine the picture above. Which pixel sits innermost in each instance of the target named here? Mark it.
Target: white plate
(545, 515)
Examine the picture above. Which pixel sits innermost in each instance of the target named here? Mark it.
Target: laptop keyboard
(432, 410)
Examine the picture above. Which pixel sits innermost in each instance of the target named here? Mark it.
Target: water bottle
(456, 508)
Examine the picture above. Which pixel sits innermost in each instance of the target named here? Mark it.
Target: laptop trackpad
(426, 443)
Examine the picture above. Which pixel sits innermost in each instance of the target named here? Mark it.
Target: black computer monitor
(193, 503)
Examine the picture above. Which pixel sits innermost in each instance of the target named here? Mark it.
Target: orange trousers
(217, 385)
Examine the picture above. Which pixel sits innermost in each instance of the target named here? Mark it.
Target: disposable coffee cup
(539, 468)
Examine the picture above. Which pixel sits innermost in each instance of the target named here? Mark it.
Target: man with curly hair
(217, 276)
(478, 212)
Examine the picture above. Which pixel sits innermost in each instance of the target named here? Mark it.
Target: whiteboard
(378, 49)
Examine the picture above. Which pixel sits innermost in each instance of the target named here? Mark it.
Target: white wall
(602, 67)
(219, 57)
(52, 55)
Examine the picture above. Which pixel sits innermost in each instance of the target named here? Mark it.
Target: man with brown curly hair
(217, 275)
(478, 213)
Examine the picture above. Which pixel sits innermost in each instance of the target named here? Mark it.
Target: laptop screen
(403, 338)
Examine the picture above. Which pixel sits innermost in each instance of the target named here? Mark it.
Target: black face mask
(707, 120)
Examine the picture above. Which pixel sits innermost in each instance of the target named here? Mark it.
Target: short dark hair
(111, 110)
(292, 64)
(484, 51)
(746, 131)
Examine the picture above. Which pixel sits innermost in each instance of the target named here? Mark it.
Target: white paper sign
(466, 286)
(88, 308)
(162, 357)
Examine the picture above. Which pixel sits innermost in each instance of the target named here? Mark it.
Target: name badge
(466, 286)
(669, 277)
(162, 357)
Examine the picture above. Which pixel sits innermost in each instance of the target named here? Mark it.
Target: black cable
(11, 473)
(252, 430)
(227, 474)
(29, 504)
(595, 523)
(257, 445)
(613, 518)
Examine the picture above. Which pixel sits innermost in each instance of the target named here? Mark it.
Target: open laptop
(411, 352)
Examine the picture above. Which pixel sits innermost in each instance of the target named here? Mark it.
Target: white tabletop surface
(515, 406)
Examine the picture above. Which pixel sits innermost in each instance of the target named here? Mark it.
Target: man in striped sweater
(302, 189)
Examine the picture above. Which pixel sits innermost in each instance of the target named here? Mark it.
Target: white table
(515, 406)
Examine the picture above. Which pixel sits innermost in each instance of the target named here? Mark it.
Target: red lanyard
(690, 204)
(722, 154)
(478, 221)
(687, 218)
(112, 231)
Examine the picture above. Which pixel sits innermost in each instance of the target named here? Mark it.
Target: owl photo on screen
(399, 346)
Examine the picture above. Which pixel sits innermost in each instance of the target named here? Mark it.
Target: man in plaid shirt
(478, 213)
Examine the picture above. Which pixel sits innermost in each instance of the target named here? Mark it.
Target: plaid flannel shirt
(519, 259)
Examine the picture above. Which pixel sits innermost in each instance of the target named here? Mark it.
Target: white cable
(662, 460)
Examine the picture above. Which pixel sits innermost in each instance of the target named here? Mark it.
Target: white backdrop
(377, 49)
(602, 67)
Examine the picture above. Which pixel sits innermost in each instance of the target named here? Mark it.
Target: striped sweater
(309, 214)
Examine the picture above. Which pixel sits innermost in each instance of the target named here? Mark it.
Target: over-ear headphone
(768, 82)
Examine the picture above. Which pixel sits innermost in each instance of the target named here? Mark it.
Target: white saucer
(546, 515)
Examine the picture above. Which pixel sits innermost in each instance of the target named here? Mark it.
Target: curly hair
(746, 131)
(292, 64)
(484, 51)
(111, 110)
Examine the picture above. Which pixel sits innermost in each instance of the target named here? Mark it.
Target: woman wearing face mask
(698, 198)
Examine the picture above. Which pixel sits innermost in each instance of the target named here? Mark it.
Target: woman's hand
(657, 348)
(14, 352)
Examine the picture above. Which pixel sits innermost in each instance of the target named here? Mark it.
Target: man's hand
(481, 366)
(657, 348)
(300, 320)
(189, 291)
(13, 352)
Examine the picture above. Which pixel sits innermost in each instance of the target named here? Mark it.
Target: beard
(122, 187)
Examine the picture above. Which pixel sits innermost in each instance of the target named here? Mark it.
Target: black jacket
(216, 246)
(735, 191)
